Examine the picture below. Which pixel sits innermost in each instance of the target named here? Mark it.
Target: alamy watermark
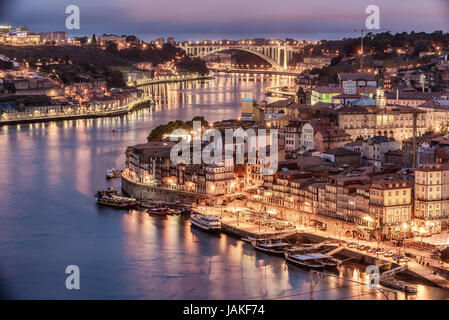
(72, 282)
(374, 276)
(261, 147)
(73, 20)
(373, 20)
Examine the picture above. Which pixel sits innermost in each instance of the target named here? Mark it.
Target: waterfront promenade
(22, 117)
(72, 114)
(168, 79)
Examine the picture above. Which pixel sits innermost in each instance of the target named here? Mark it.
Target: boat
(327, 260)
(206, 222)
(398, 285)
(175, 211)
(110, 198)
(248, 239)
(147, 204)
(159, 211)
(276, 249)
(113, 173)
(306, 261)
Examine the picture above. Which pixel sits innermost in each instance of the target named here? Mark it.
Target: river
(49, 219)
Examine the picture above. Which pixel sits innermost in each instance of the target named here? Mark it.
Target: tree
(94, 39)
(114, 79)
(112, 48)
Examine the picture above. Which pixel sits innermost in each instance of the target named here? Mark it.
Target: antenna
(361, 41)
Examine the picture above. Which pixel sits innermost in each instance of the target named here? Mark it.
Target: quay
(431, 274)
(168, 79)
(236, 225)
(31, 118)
(278, 91)
(266, 72)
(23, 118)
(245, 229)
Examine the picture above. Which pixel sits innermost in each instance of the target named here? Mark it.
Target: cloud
(232, 17)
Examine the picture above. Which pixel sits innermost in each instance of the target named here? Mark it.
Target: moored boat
(206, 222)
(113, 173)
(276, 249)
(304, 261)
(159, 211)
(110, 198)
(398, 285)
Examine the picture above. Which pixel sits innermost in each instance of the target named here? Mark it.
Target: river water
(49, 219)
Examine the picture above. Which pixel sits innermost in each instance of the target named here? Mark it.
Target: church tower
(381, 101)
(300, 96)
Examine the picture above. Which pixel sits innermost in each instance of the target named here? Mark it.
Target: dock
(245, 229)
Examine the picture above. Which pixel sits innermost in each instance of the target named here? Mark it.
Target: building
(251, 111)
(431, 198)
(293, 134)
(326, 94)
(329, 137)
(392, 121)
(342, 157)
(391, 203)
(374, 149)
(59, 37)
(361, 79)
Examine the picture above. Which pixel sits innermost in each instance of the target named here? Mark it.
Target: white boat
(206, 222)
(113, 173)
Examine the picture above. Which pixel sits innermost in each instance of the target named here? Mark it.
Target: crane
(362, 31)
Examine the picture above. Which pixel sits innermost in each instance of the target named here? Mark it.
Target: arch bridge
(277, 56)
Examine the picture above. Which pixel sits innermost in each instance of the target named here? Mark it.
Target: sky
(230, 19)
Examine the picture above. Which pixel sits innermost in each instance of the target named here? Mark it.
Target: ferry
(206, 222)
(276, 249)
(113, 173)
(306, 261)
(110, 198)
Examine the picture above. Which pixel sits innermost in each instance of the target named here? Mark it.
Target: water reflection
(49, 220)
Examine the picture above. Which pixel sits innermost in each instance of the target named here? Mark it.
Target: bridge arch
(275, 65)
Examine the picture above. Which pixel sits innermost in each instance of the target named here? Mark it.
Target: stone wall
(146, 192)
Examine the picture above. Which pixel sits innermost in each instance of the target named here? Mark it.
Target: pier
(245, 229)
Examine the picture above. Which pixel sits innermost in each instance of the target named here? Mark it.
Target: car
(404, 259)
(353, 245)
(361, 247)
(389, 254)
(372, 250)
(409, 255)
(380, 251)
(367, 248)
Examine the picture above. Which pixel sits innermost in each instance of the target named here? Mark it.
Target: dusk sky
(212, 19)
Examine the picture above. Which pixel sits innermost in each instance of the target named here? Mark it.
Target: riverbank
(169, 79)
(135, 105)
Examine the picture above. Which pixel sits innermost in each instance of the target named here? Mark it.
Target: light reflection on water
(49, 219)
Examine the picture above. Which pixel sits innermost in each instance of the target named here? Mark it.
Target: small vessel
(398, 285)
(147, 204)
(276, 249)
(327, 260)
(174, 211)
(206, 222)
(159, 211)
(110, 198)
(248, 239)
(113, 173)
(306, 261)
